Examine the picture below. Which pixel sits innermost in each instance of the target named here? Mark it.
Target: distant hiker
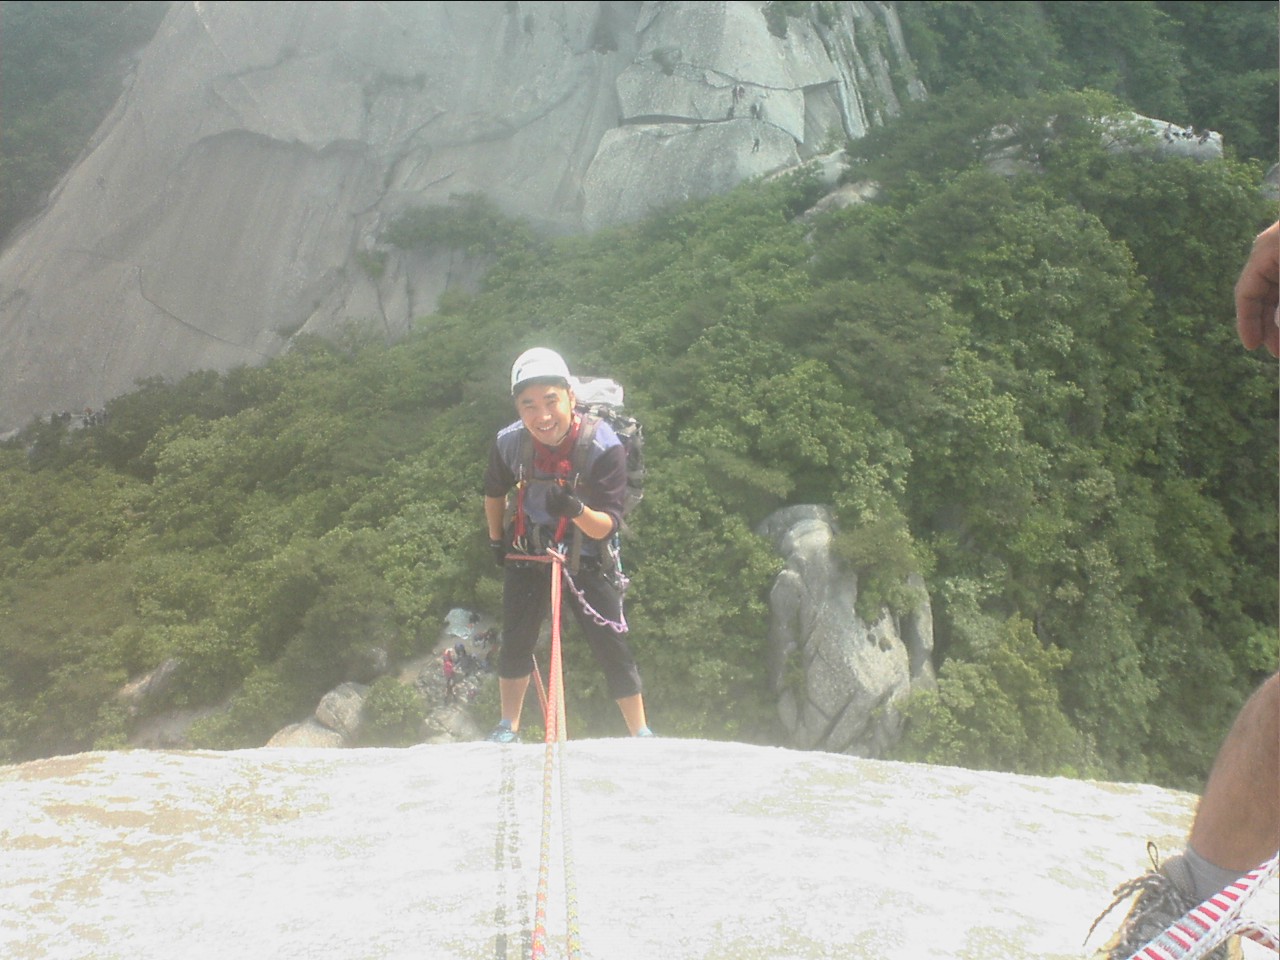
(450, 674)
(554, 497)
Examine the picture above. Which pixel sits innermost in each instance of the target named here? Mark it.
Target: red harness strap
(556, 462)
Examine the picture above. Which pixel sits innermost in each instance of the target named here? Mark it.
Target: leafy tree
(392, 712)
(470, 222)
(59, 76)
(997, 707)
(60, 664)
(1013, 373)
(1126, 49)
(1229, 53)
(999, 47)
(1210, 65)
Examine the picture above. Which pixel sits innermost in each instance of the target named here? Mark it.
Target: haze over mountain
(239, 196)
(238, 193)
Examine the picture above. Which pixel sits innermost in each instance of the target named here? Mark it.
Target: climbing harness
(601, 402)
(1204, 927)
(558, 465)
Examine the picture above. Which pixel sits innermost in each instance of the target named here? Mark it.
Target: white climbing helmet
(539, 363)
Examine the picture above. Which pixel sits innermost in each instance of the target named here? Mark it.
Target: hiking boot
(1163, 895)
(503, 733)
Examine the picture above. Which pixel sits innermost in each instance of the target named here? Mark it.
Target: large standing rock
(342, 710)
(237, 194)
(839, 680)
(143, 693)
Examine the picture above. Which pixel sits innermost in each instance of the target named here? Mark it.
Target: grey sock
(1208, 877)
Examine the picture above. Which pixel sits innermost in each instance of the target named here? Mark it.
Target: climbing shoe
(503, 733)
(1164, 894)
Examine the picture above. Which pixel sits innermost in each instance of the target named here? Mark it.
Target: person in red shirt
(450, 674)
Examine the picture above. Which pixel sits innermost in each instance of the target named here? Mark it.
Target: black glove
(562, 503)
(499, 550)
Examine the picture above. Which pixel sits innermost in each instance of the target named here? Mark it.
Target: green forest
(1025, 386)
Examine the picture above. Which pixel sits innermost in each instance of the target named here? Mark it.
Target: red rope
(553, 714)
(542, 691)
(555, 696)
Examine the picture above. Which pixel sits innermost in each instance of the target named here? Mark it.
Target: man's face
(546, 412)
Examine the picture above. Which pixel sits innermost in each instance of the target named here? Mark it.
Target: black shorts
(526, 604)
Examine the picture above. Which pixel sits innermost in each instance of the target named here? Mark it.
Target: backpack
(601, 398)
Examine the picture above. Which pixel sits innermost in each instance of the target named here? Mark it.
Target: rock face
(680, 850)
(146, 690)
(238, 193)
(839, 680)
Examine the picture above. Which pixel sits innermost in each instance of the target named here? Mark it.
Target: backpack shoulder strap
(586, 435)
(514, 516)
(524, 468)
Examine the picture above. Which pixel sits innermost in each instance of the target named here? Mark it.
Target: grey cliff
(260, 150)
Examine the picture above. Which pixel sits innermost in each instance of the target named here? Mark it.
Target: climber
(549, 504)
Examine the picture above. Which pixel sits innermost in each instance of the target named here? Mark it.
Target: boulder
(308, 733)
(839, 680)
(1163, 138)
(841, 198)
(451, 723)
(342, 710)
(335, 723)
(142, 694)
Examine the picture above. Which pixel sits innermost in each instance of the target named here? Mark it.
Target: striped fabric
(1201, 929)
